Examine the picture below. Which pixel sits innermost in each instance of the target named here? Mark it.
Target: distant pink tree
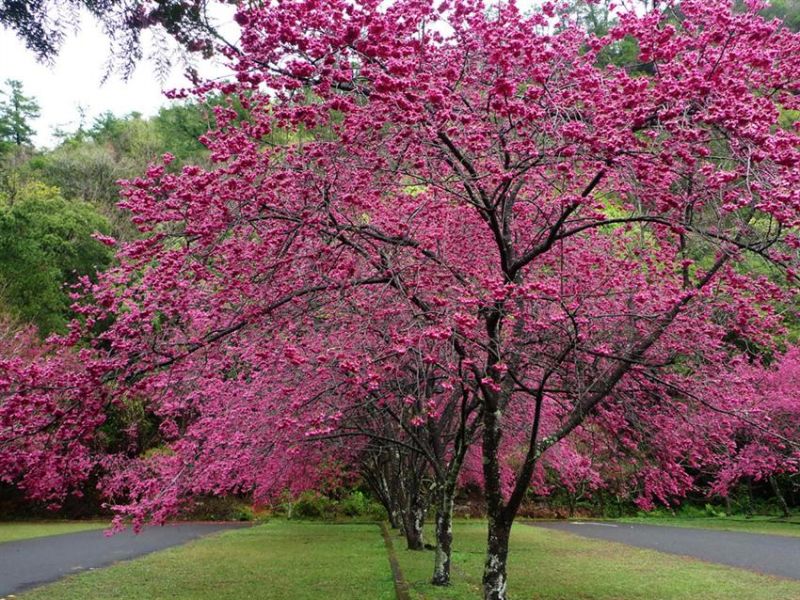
(51, 406)
(764, 425)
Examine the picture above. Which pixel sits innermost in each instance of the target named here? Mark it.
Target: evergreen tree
(16, 113)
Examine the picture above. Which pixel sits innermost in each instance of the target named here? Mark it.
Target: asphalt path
(27, 563)
(770, 554)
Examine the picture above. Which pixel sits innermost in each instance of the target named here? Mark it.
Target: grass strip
(277, 561)
(553, 565)
(13, 531)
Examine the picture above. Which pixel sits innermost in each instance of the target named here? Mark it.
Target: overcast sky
(75, 81)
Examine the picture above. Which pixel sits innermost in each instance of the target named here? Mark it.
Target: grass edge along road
(12, 531)
(553, 565)
(756, 524)
(315, 561)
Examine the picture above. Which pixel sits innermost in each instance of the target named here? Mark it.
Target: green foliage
(686, 511)
(313, 505)
(788, 118)
(52, 201)
(597, 19)
(787, 11)
(89, 163)
(127, 418)
(16, 113)
(243, 513)
(45, 243)
(180, 126)
(356, 504)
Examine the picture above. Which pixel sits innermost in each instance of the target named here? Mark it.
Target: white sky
(75, 80)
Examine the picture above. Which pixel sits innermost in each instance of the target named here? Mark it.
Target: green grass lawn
(13, 530)
(276, 561)
(552, 565)
(769, 525)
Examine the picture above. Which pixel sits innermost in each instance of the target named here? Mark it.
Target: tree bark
(494, 571)
(394, 519)
(444, 539)
(413, 525)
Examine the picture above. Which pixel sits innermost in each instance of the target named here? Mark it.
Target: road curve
(769, 554)
(27, 563)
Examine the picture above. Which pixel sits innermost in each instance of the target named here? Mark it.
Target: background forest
(52, 201)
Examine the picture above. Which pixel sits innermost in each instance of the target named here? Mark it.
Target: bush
(355, 505)
(376, 512)
(711, 511)
(358, 504)
(313, 505)
(691, 511)
(243, 513)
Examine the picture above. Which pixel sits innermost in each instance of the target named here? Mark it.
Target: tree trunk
(413, 525)
(494, 571)
(781, 500)
(444, 539)
(394, 519)
(381, 490)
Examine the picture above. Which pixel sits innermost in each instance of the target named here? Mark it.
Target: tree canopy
(46, 245)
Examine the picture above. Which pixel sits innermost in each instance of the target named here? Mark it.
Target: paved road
(28, 563)
(772, 554)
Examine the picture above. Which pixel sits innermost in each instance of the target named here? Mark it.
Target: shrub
(313, 505)
(355, 505)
